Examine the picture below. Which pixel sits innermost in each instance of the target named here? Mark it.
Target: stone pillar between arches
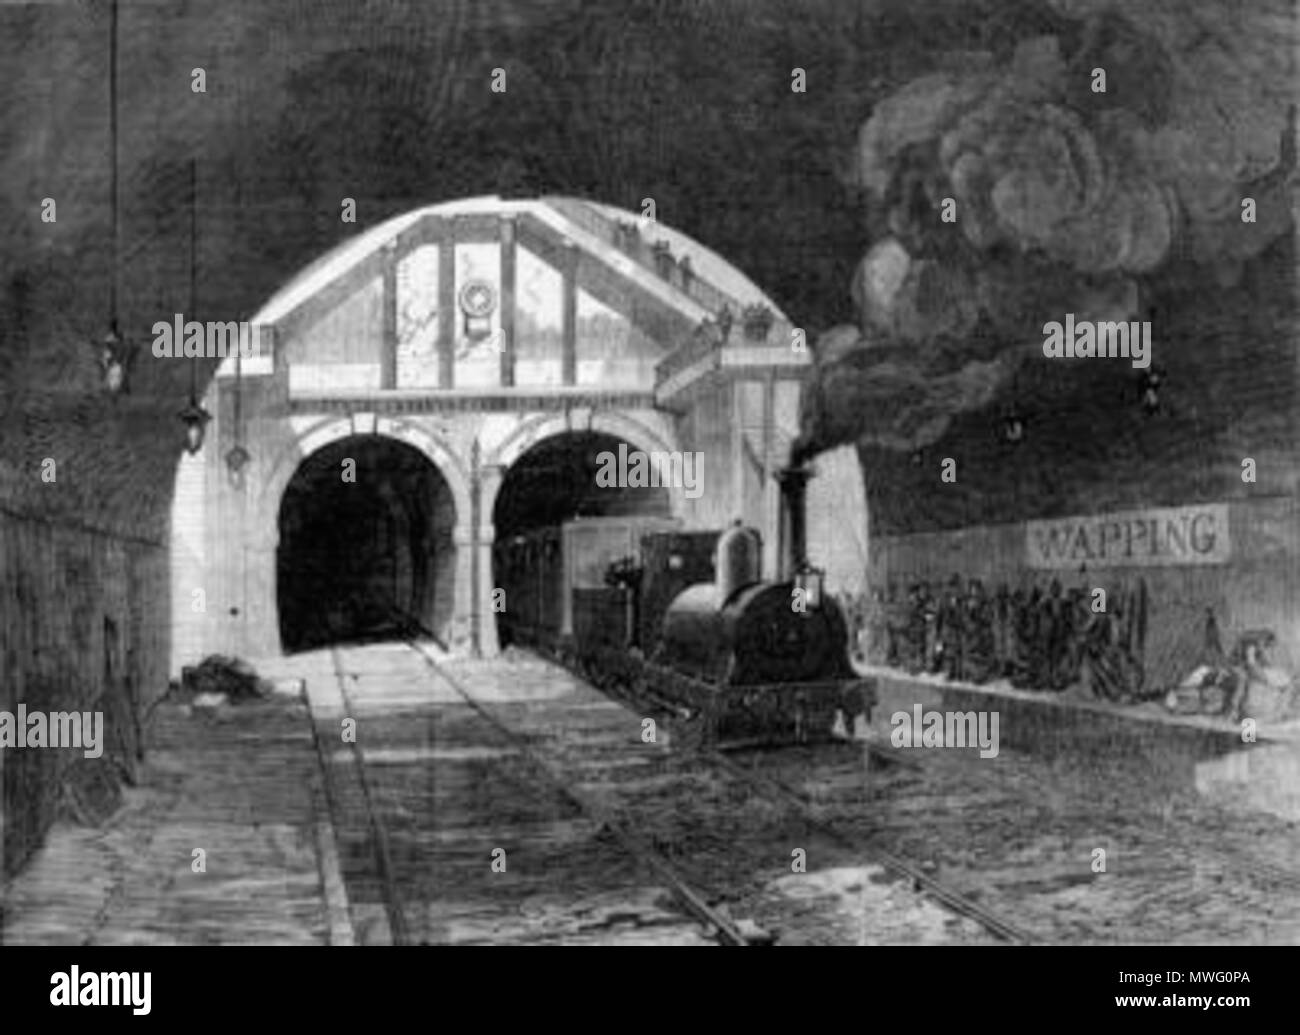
(474, 595)
(459, 630)
(490, 477)
(488, 646)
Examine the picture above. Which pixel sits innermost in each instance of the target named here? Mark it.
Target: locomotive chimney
(793, 550)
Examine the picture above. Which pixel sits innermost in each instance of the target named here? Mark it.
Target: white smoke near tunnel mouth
(1065, 200)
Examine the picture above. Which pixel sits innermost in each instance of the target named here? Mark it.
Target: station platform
(1167, 752)
(242, 783)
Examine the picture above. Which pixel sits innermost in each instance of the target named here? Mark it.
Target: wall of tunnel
(83, 627)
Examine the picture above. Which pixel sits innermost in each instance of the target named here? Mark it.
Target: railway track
(920, 880)
(397, 925)
(533, 768)
(776, 789)
(690, 898)
(714, 925)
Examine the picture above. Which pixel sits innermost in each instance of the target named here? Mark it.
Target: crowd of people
(1046, 638)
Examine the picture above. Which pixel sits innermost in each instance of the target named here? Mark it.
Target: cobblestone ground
(1017, 834)
(451, 789)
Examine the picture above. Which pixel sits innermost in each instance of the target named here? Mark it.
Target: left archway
(366, 547)
(225, 545)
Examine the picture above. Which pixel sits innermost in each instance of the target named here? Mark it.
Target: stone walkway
(243, 784)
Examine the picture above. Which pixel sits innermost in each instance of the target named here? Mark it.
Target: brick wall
(76, 604)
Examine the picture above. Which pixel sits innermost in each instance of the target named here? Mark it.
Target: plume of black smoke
(1066, 200)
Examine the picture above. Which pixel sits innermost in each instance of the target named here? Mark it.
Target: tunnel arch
(532, 432)
(550, 499)
(322, 433)
(359, 561)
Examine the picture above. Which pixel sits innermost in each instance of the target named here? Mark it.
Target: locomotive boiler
(761, 659)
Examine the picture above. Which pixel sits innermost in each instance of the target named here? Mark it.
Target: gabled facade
(473, 331)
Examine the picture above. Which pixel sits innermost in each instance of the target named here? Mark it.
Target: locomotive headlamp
(809, 582)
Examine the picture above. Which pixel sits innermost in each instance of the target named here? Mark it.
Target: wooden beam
(569, 270)
(477, 227)
(551, 399)
(508, 267)
(332, 295)
(660, 321)
(426, 230)
(270, 342)
(447, 311)
(388, 341)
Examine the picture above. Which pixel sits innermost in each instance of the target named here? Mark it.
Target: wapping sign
(1132, 538)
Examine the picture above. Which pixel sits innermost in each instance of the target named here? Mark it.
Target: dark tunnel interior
(366, 549)
(556, 480)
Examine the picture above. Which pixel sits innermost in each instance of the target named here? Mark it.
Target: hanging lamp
(113, 352)
(194, 416)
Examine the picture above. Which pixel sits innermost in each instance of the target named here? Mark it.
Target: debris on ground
(1239, 684)
(221, 676)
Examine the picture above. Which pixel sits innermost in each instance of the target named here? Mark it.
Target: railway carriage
(530, 568)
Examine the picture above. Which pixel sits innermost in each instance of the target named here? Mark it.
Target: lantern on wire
(113, 353)
(1149, 391)
(236, 460)
(1013, 426)
(195, 418)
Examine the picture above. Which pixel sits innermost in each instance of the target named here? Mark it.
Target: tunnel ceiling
(684, 101)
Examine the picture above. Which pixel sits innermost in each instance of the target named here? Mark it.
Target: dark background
(684, 101)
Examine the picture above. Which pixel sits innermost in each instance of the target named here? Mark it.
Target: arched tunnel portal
(365, 546)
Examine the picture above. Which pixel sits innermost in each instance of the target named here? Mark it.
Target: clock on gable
(478, 301)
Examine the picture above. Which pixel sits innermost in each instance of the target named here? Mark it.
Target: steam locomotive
(683, 622)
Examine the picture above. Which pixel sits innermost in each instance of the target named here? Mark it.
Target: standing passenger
(1033, 633)
(951, 623)
(915, 629)
(977, 635)
(894, 626)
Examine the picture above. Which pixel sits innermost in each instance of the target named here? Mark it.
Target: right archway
(555, 482)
